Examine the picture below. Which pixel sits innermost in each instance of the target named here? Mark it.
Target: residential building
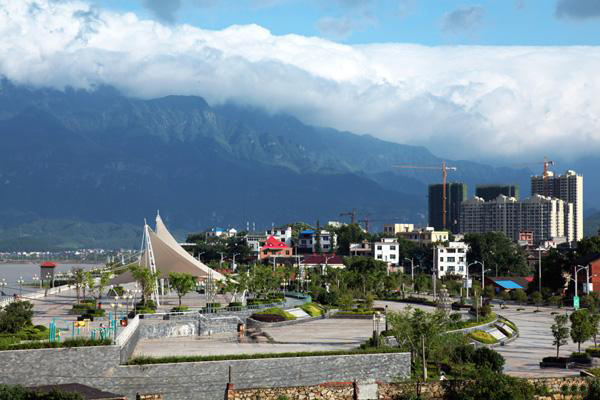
(216, 232)
(508, 283)
(425, 236)
(255, 240)
(456, 193)
(283, 234)
(394, 229)
(450, 259)
(308, 241)
(546, 218)
(567, 187)
(322, 261)
(364, 249)
(387, 250)
(274, 248)
(491, 192)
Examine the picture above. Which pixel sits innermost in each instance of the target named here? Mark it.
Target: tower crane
(351, 214)
(547, 163)
(444, 168)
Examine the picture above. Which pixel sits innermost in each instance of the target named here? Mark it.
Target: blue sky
(429, 22)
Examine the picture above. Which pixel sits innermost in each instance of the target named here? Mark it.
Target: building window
(461, 268)
(461, 259)
(442, 269)
(392, 256)
(378, 247)
(451, 259)
(442, 259)
(392, 247)
(379, 256)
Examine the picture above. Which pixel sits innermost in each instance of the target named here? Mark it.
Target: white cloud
(460, 101)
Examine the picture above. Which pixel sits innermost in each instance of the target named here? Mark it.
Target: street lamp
(482, 263)
(20, 281)
(539, 249)
(36, 278)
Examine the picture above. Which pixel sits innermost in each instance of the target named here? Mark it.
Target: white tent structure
(161, 252)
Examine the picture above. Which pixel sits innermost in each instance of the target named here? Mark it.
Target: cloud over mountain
(461, 101)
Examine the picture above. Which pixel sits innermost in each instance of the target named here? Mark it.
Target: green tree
(346, 234)
(536, 298)
(419, 332)
(17, 392)
(182, 283)
(593, 392)
(498, 252)
(88, 282)
(560, 332)
(489, 292)
(519, 295)
(102, 284)
(488, 358)
(554, 264)
(581, 327)
(78, 280)
(16, 316)
(146, 279)
(595, 320)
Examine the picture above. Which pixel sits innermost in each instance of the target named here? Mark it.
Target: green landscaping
(276, 311)
(483, 337)
(76, 342)
(312, 309)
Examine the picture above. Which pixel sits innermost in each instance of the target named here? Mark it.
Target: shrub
(581, 358)
(593, 351)
(180, 309)
(16, 316)
(235, 304)
(574, 389)
(77, 342)
(488, 385)
(455, 317)
(482, 337)
(462, 354)
(213, 305)
(20, 393)
(276, 311)
(149, 304)
(488, 358)
(268, 317)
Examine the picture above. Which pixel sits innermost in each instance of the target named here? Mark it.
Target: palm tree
(146, 279)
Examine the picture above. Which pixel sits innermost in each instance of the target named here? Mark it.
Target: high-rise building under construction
(456, 193)
(567, 187)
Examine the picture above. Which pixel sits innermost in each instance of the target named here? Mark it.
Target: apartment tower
(456, 193)
(567, 187)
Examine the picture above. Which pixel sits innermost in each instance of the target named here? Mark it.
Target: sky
(480, 80)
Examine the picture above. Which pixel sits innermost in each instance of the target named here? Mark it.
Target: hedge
(141, 360)
(277, 311)
(472, 322)
(312, 309)
(77, 342)
(483, 337)
(593, 351)
(180, 309)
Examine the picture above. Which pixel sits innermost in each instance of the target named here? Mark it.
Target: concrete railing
(38, 294)
(126, 333)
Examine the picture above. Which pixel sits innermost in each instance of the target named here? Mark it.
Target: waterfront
(12, 272)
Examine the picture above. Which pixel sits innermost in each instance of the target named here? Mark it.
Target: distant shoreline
(55, 261)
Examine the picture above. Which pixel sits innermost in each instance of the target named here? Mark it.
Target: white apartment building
(283, 234)
(307, 241)
(255, 240)
(387, 250)
(393, 229)
(567, 187)
(425, 236)
(546, 218)
(451, 259)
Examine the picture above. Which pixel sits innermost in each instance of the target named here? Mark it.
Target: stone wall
(326, 391)
(99, 367)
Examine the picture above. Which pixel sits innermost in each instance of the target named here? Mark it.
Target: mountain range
(83, 168)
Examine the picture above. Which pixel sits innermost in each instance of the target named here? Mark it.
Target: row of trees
(584, 326)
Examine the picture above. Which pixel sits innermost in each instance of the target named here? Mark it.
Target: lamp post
(199, 254)
(20, 281)
(539, 249)
(35, 279)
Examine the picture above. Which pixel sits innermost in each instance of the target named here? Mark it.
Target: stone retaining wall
(99, 367)
(326, 391)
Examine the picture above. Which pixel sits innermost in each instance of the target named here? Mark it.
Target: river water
(11, 273)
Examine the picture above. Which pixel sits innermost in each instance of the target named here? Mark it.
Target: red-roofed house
(274, 248)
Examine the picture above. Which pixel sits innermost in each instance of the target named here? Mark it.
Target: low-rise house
(273, 248)
(255, 240)
(425, 236)
(394, 229)
(323, 261)
(363, 249)
(508, 283)
(450, 259)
